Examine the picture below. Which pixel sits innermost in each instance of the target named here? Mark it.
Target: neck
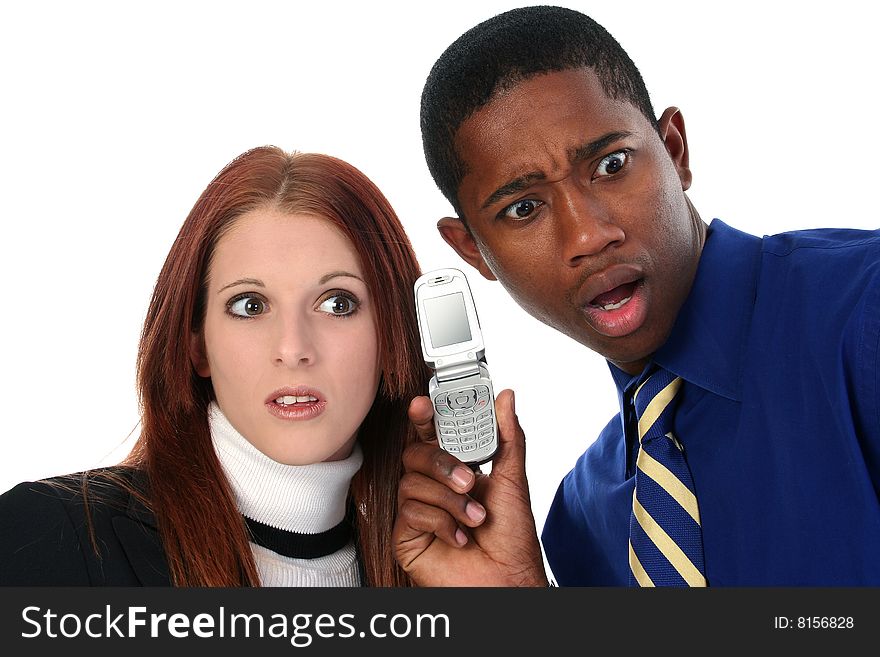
(700, 228)
(307, 499)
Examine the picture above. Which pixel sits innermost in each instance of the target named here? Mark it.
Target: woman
(277, 360)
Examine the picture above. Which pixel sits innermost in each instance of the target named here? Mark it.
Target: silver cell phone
(452, 345)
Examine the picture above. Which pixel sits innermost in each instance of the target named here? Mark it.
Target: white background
(114, 116)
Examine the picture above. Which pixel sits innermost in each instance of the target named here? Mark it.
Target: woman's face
(289, 337)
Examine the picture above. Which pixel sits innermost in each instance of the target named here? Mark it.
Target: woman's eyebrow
(256, 282)
(334, 274)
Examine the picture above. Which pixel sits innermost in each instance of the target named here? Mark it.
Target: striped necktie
(665, 536)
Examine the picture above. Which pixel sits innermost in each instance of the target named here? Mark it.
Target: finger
(421, 414)
(511, 457)
(439, 465)
(416, 519)
(418, 488)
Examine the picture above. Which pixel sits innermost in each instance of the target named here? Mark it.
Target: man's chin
(629, 353)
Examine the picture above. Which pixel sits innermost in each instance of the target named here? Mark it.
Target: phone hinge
(458, 371)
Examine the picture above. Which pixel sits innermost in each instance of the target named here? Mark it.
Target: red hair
(203, 534)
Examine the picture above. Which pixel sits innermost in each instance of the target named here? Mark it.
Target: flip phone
(452, 345)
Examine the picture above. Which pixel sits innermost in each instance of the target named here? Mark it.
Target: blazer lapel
(144, 551)
(136, 531)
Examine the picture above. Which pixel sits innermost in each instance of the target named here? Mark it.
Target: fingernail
(460, 537)
(461, 475)
(513, 401)
(475, 511)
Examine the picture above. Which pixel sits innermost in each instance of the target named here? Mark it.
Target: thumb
(421, 415)
(510, 460)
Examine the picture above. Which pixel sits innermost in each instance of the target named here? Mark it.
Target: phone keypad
(466, 421)
(444, 410)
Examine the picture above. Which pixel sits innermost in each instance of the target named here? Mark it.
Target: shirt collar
(706, 344)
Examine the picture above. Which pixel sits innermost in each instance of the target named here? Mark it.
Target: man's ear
(459, 238)
(198, 354)
(671, 127)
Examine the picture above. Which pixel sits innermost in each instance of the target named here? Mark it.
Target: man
(747, 448)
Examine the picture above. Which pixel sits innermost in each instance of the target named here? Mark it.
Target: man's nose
(586, 227)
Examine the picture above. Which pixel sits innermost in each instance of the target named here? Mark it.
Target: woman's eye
(611, 164)
(247, 307)
(338, 304)
(521, 209)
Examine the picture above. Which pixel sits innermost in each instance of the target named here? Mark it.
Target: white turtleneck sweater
(308, 499)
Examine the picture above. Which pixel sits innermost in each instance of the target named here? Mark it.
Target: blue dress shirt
(779, 416)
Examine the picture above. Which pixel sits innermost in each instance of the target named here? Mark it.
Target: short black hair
(503, 51)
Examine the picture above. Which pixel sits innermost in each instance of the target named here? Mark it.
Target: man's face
(577, 206)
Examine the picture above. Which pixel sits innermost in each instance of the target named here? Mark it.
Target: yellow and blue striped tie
(665, 535)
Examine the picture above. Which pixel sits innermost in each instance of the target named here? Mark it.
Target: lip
(300, 411)
(621, 321)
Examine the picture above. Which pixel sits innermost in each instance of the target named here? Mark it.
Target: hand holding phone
(452, 345)
(457, 527)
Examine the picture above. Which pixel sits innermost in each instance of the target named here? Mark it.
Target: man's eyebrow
(591, 150)
(585, 152)
(243, 281)
(512, 187)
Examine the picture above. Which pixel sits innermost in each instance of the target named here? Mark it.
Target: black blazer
(45, 540)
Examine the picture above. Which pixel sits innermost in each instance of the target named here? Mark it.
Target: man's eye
(611, 164)
(521, 209)
(339, 305)
(247, 307)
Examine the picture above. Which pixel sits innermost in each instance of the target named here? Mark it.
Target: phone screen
(447, 320)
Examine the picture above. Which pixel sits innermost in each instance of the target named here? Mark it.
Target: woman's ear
(198, 354)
